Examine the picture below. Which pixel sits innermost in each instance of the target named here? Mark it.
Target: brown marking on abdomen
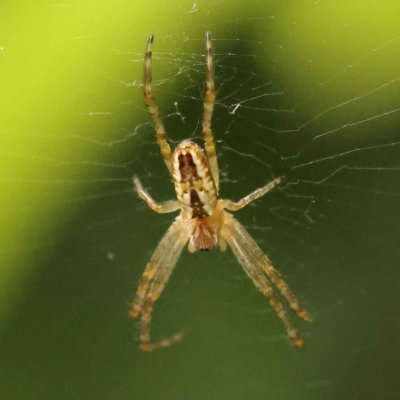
(194, 183)
(197, 205)
(187, 168)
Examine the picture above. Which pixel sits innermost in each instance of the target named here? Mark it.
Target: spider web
(308, 92)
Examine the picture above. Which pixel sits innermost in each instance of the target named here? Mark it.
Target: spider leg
(232, 206)
(208, 111)
(255, 264)
(222, 243)
(153, 109)
(153, 280)
(146, 344)
(265, 264)
(277, 280)
(165, 207)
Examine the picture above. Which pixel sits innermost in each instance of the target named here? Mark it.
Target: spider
(203, 222)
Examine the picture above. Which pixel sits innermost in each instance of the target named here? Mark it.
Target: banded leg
(255, 264)
(156, 287)
(222, 243)
(208, 111)
(277, 279)
(153, 280)
(153, 109)
(232, 206)
(146, 344)
(162, 208)
(265, 264)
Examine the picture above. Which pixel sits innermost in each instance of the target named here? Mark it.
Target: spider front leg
(153, 109)
(208, 111)
(153, 280)
(162, 208)
(232, 206)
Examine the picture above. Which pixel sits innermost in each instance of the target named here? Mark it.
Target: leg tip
(298, 342)
(145, 347)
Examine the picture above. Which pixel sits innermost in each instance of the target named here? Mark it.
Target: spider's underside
(203, 222)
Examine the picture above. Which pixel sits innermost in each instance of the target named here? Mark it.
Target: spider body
(194, 184)
(197, 194)
(203, 222)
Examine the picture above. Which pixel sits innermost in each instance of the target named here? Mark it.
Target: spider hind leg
(153, 281)
(146, 344)
(257, 266)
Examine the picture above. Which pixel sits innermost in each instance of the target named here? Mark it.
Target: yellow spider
(203, 222)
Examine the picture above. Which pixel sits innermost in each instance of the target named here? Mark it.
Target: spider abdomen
(194, 183)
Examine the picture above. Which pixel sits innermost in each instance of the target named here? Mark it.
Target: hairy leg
(162, 208)
(154, 278)
(232, 206)
(208, 111)
(256, 264)
(153, 109)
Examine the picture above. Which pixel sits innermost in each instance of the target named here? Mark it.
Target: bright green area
(57, 62)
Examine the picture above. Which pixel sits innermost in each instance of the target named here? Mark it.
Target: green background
(75, 238)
